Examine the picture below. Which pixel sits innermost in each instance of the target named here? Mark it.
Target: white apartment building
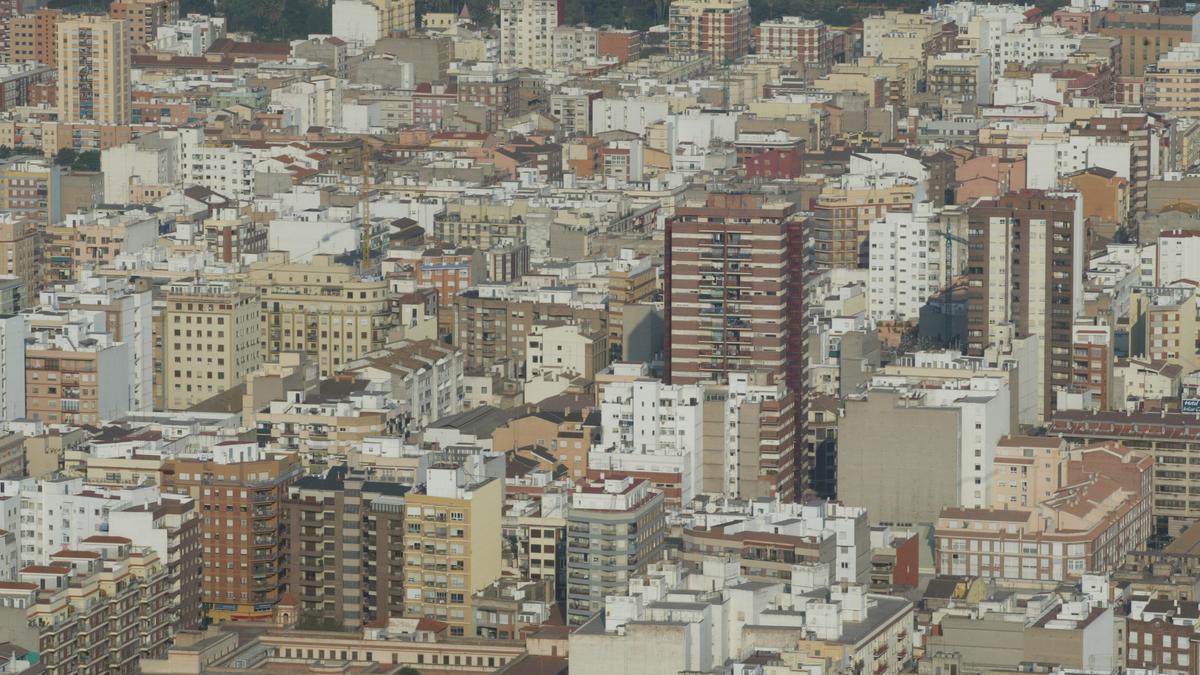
(527, 33)
(651, 427)
(980, 26)
(189, 36)
(847, 525)
(152, 159)
(425, 378)
(1027, 43)
(902, 278)
(557, 354)
(226, 170)
(984, 405)
(628, 114)
(306, 232)
(12, 367)
(1178, 256)
(574, 45)
(1049, 160)
(674, 620)
(316, 102)
(59, 513)
(128, 309)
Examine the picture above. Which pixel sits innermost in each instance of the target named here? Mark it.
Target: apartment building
(1099, 510)
(211, 339)
(653, 431)
(734, 298)
(845, 209)
(94, 57)
(513, 609)
(1147, 32)
(1173, 82)
(86, 240)
(240, 489)
(963, 79)
(12, 366)
(1177, 251)
(765, 557)
(425, 378)
(30, 189)
(483, 224)
(75, 372)
(903, 272)
(144, 18)
(719, 30)
(1161, 635)
(452, 542)
(326, 423)
(34, 37)
(940, 437)
(345, 549)
(99, 608)
(527, 32)
(1170, 329)
(169, 526)
(615, 529)
(491, 330)
(56, 514)
(537, 530)
(1092, 356)
(1026, 253)
(448, 271)
(633, 280)
(806, 41)
(892, 22)
(566, 437)
(557, 354)
(1169, 437)
(20, 241)
(320, 307)
(128, 318)
(1027, 470)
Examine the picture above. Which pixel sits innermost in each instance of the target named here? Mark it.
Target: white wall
(12, 367)
(355, 21)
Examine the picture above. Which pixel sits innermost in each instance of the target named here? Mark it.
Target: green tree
(88, 160)
(66, 157)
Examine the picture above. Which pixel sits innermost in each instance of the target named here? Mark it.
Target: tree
(409, 670)
(66, 157)
(88, 160)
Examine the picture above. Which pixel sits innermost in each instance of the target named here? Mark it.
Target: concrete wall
(900, 463)
(984, 645)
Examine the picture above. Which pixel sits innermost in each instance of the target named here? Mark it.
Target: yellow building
(210, 339)
(883, 82)
(631, 282)
(19, 243)
(843, 215)
(453, 541)
(321, 308)
(29, 188)
(94, 59)
(1173, 84)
